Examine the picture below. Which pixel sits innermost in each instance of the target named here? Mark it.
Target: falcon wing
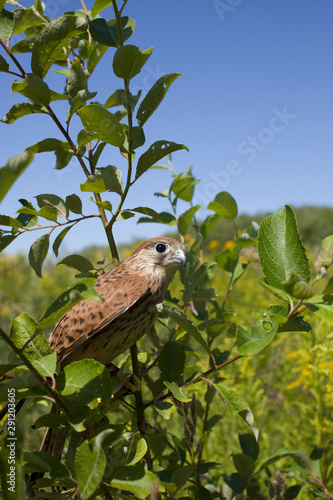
(89, 317)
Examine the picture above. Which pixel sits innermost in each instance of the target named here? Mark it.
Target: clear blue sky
(254, 107)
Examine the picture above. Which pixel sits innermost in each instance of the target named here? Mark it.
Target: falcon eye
(160, 247)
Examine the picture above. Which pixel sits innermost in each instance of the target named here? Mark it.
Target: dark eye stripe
(160, 247)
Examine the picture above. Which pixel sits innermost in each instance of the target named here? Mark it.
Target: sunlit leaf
(156, 151)
(24, 329)
(38, 252)
(224, 205)
(52, 39)
(129, 60)
(281, 249)
(34, 88)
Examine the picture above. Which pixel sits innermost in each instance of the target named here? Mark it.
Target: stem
(140, 408)
(59, 224)
(67, 136)
(55, 397)
(11, 55)
(118, 18)
(197, 379)
(108, 231)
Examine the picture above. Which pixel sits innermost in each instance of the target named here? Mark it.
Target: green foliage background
(245, 330)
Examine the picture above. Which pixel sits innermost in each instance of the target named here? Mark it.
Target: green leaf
(124, 215)
(99, 122)
(106, 179)
(208, 224)
(44, 462)
(48, 145)
(50, 42)
(171, 360)
(185, 219)
(55, 96)
(281, 294)
(244, 465)
(5, 220)
(100, 5)
(164, 408)
(6, 24)
(59, 239)
(24, 45)
(135, 479)
(182, 474)
(74, 204)
(6, 240)
(63, 157)
(249, 237)
(183, 186)
(83, 137)
(47, 365)
(260, 335)
(27, 220)
(156, 151)
(14, 168)
(81, 289)
(4, 66)
(78, 262)
(106, 205)
(182, 320)
(97, 153)
(47, 212)
(34, 88)
(322, 306)
(81, 382)
(325, 257)
(106, 32)
(138, 449)
(224, 205)
(38, 252)
(76, 80)
(228, 259)
(154, 97)
(89, 465)
(236, 405)
(297, 287)
(81, 98)
(55, 202)
(281, 249)
(95, 56)
(281, 453)
(129, 60)
(328, 287)
(22, 109)
(293, 491)
(249, 445)
(50, 420)
(117, 98)
(25, 19)
(177, 392)
(146, 211)
(24, 328)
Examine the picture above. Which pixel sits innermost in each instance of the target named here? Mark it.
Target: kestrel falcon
(102, 330)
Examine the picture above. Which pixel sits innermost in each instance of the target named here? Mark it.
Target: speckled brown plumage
(102, 330)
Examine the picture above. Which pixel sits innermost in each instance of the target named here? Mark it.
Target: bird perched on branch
(102, 330)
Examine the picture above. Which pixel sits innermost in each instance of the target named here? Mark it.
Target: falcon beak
(179, 257)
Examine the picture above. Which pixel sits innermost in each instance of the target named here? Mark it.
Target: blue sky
(254, 108)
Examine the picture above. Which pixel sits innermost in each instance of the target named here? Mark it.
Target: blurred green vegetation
(289, 387)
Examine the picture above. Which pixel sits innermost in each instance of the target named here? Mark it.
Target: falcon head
(162, 256)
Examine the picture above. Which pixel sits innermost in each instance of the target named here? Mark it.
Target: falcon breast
(102, 330)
